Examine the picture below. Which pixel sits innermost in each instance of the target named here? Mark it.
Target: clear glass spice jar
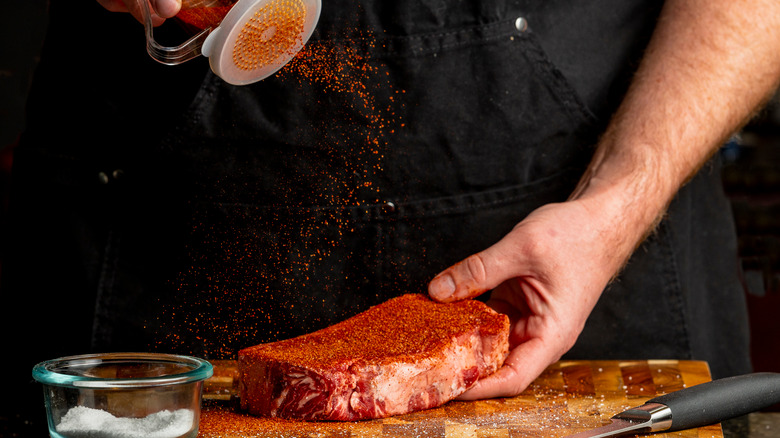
(245, 40)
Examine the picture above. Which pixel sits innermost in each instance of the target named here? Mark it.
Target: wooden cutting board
(569, 397)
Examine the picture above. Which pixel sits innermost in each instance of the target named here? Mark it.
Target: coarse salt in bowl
(123, 395)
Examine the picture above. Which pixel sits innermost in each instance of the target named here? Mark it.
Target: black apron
(407, 136)
(373, 162)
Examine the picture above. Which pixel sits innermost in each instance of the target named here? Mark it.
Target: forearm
(709, 66)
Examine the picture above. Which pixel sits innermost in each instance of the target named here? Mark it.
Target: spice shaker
(245, 40)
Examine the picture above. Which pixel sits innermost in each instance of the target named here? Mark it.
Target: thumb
(473, 276)
(166, 8)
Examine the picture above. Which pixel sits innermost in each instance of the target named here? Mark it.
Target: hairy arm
(708, 68)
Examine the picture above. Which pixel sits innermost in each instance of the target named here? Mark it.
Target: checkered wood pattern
(569, 397)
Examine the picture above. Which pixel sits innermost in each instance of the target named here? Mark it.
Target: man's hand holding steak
(557, 263)
(698, 83)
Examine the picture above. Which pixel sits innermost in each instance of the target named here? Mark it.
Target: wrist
(626, 195)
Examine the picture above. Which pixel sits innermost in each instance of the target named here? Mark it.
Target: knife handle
(722, 399)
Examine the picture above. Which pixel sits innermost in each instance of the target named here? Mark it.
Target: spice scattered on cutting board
(569, 397)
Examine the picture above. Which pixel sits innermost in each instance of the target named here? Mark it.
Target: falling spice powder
(259, 273)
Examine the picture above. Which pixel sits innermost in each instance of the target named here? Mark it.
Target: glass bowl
(123, 395)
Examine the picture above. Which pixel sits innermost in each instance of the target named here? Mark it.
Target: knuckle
(475, 265)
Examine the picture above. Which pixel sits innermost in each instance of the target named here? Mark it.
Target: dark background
(22, 28)
(751, 175)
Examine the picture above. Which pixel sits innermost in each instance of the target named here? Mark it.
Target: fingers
(166, 8)
(524, 364)
(114, 5)
(159, 10)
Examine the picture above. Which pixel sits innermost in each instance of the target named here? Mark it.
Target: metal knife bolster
(655, 416)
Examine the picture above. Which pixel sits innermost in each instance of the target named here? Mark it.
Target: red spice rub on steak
(407, 354)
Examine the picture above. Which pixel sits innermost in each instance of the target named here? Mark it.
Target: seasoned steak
(407, 354)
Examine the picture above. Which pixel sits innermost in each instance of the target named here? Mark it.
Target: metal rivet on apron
(103, 178)
(521, 24)
(117, 174)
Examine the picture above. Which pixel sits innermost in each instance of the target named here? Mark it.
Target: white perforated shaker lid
(258, 37)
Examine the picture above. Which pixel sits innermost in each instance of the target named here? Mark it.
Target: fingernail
(442, 287)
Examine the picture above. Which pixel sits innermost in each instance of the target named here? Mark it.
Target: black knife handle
(722, 399)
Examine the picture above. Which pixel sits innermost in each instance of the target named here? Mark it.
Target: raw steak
(407, 354)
